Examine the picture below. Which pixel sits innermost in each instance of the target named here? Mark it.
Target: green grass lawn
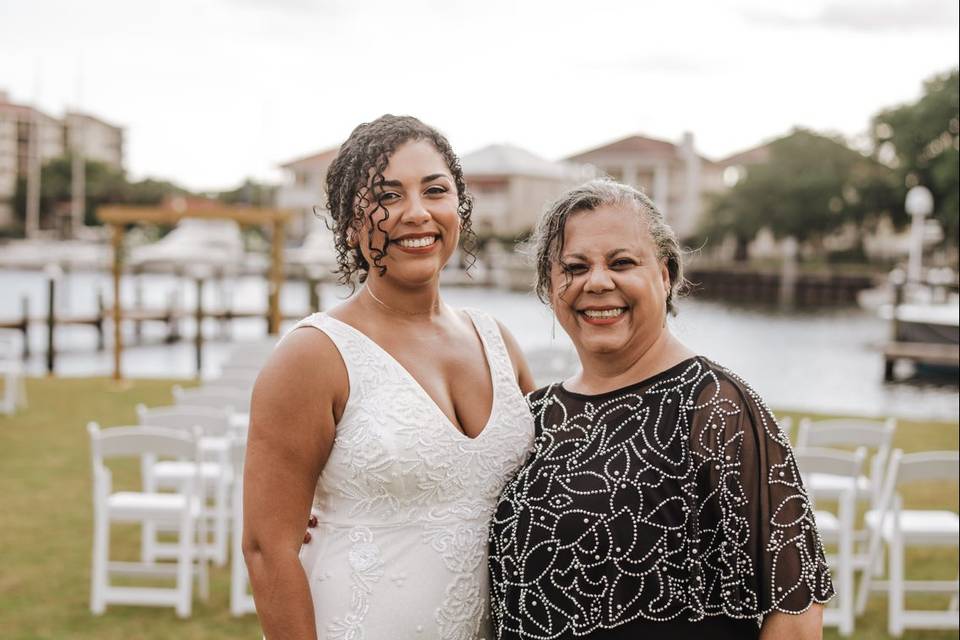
(45, 532)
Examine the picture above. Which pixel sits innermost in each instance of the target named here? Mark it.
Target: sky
(213, 91)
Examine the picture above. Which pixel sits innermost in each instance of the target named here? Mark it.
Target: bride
(398, 418)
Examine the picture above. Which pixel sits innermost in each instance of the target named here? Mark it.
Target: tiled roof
(322, 158)
(630, 144)
(508, 160)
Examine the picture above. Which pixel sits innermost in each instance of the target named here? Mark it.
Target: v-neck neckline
(423, 392)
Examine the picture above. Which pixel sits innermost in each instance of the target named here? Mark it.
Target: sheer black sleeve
(762, 550)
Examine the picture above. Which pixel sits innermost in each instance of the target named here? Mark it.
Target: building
(675, 176)
(98, 140)
(511, 187)
(16, 123)
(95, 139)
(303, 191)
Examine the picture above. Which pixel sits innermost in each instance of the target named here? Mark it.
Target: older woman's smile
(602, 315)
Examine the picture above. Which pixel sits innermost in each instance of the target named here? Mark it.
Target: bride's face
(413, 215)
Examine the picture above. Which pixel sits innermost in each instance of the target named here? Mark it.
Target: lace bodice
(405, 497)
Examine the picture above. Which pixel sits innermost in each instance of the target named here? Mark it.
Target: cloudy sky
(211, 91)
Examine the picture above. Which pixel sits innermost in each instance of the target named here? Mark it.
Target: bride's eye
(387, 197)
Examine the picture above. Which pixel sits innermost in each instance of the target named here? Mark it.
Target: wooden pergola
(120, 216)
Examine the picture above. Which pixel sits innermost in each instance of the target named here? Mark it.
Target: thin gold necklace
(383, 304)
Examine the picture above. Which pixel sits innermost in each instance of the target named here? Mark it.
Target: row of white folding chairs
(887, 524)
(872, 441)
(181, 510)
(12, 372)
(216, 472)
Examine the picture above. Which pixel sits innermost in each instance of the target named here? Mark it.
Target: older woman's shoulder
(730, 386)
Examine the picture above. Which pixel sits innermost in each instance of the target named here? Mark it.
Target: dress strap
(501, 367)
(353, 350)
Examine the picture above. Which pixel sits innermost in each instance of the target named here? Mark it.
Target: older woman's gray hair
(547, 240)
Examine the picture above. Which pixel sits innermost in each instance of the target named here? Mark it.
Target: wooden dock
(919, 353)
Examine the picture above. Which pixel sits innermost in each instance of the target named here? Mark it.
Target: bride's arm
(297, 398)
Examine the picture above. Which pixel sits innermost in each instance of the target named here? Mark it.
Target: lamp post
(919, 204)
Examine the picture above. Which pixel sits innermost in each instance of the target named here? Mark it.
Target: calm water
(824, 361)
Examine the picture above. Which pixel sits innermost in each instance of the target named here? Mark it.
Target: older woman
(662, 500)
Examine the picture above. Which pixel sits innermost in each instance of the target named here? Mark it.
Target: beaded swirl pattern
(674, 497)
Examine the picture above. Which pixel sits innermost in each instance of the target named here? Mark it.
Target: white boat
(194, 242)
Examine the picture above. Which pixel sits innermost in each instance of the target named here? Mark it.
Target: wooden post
(25, 326)
(117, 306)
(313, 286)
(198, 339)
(101, 312)
(276, 278)
(51, 318)
(138, 305)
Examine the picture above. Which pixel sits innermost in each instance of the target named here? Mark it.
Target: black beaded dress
(671, 508)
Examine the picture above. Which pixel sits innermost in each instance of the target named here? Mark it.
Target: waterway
(823, 360)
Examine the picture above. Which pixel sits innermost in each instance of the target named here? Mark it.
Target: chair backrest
(873, 434)
(928, 466)
(139, 440)
(831, 461)
(236, 378)
(250, 355)
(10, 344)
(213, 396)
(786, 427)
(211, 421)
(905, 469)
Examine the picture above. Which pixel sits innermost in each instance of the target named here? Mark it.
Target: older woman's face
(609, 288)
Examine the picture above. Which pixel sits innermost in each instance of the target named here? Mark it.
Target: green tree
(921, 142)
(104, 185)
(810, 186)
(251, 192)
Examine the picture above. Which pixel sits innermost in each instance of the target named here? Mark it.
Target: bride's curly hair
(359, 165)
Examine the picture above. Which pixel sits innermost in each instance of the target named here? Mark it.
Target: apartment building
(304, 190)
(675, 176)
(512, 186)
(53, 137)
(95, 139)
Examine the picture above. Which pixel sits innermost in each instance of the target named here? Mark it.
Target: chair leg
(895, 594)
(98, 569)
(22, 392)
(185, 556)
(9, 404)
(203, 556)
(221, 523)
(148, 542)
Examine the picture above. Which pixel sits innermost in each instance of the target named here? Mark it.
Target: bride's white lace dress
(405, 499)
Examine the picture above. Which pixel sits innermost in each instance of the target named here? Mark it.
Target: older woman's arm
(292, 425)
(788, 626)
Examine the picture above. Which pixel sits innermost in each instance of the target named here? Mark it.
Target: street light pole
(919, 204)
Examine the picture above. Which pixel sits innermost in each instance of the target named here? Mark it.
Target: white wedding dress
(405, 499)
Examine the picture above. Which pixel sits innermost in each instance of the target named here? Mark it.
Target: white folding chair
(241, 602)
(836, 528)
(876, 436)
(215, 470)
(235, 378)
(898, 528)
(181, 510)
(217, 397)
(12, 373)
(252, 354)
(786, 427)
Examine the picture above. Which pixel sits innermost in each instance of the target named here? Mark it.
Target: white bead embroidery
(693, 558)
